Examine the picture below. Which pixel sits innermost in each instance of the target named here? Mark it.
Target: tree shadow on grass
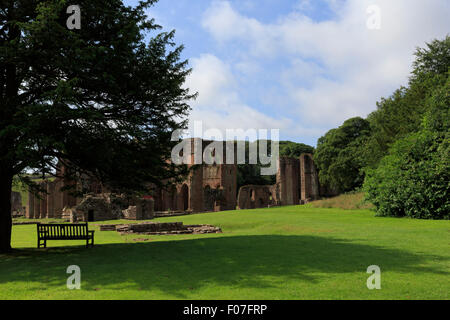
(174, 267)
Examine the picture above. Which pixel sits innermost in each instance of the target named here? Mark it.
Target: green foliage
(403, 112)
(432, 60)
(338, 156)
(413, 129)
(414, 179)
(404, 152)
(104, 99)
(293, 149)
(437, 117)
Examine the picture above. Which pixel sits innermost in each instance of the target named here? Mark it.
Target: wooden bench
(76, 231)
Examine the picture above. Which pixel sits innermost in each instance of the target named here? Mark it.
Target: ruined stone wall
(93, 209)
(309, 189)
(212, 187)
(169, 198)
(142, 210)
(207, 187)
(58, 199)
(50, 202)
(229, 185)
(37, 205)
(297, 183)
(256, 196)
(50, 210)
(16, 203)
(29, 213)
(195, 190)
(288, 181)
(219, 187)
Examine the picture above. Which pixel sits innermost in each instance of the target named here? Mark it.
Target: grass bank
(351, 201)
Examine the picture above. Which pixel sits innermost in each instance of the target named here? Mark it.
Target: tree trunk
(5, 211)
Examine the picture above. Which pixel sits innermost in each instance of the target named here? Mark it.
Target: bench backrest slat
(79, 230)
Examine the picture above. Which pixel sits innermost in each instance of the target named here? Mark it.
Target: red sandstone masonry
(163, 228)
(309, 179)
(297, 182)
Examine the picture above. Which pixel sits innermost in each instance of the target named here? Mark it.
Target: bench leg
(90, 244)
(42, 243)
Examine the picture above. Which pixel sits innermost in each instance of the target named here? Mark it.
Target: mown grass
(297, 252)
(350, 201)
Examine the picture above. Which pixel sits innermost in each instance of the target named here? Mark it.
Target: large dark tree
(104, 99)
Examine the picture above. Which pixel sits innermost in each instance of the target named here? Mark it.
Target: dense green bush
(414, 179)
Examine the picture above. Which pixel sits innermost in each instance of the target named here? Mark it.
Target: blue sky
(300, 66)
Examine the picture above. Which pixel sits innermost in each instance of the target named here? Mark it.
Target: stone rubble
(162, 228)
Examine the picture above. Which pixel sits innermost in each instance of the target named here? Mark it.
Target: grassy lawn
(279, 253)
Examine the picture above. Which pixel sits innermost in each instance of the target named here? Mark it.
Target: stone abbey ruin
(207, 188)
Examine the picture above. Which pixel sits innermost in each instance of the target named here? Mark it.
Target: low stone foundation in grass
(161, 228)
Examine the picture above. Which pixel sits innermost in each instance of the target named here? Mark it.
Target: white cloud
(337, 68)
(225, 24)
(218, 104)
(213, 80)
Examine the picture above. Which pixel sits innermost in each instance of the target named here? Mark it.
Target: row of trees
(399, 154)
